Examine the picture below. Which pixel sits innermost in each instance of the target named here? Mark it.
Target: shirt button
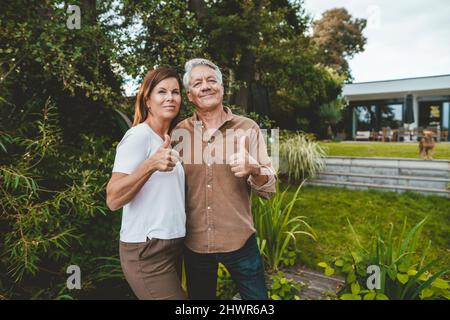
(209, 229)
(209, 186)
(209, 208)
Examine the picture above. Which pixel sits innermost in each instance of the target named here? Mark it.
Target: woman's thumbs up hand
(164, 159)
(166, 142)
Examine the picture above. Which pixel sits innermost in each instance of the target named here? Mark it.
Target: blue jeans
(245, 266)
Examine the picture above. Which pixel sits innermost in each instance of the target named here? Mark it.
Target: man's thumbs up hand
(241, 163)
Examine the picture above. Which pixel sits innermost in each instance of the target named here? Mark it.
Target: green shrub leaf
(329, 271)
(370, 296)
(355, 288)
(381, 296)
(403, 278)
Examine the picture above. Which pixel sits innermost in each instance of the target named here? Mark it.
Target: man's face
(205, 92)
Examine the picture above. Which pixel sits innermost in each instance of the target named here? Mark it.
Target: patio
(386, 134)
(398, 110)
(379, 149)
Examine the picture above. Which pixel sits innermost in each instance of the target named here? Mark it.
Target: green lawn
(327, 209)
(379, 149)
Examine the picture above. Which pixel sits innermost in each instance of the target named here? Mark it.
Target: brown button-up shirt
(218, 204)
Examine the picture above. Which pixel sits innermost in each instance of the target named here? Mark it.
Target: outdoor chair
(395, 135)
(402, 133)
(386, 134)
(362, 135)
(374, 135)
(418, 133)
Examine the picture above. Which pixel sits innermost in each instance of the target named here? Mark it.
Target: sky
(405, 38)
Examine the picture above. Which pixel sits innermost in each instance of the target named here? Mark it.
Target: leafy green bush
(283, 288)
(56, 147)
(277, 230)
(53, 208)
(403, 274)
(301, 156)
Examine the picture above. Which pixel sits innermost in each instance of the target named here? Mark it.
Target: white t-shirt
(157, 210)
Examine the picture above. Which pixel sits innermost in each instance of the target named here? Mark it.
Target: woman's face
(165, 99)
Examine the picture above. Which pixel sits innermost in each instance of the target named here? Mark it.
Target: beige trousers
(153, 268)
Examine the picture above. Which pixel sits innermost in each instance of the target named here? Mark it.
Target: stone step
(412, 181)
(391, 162)
(396, 174)
(360, 185)
(391, 171)
(421, 178)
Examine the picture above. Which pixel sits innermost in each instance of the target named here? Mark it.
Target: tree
(271, 65)
(338, 37)
(269, 62)
(331, 114)
(237, 31)
(42, 58)
(157, 33)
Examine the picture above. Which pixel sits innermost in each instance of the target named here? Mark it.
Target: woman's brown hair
(151, 79)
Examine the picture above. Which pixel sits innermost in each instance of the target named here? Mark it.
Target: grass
(327, 209)
(379, 149)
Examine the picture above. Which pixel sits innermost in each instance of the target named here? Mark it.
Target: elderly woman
(148, 182)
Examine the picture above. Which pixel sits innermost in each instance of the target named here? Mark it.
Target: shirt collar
(229, 116)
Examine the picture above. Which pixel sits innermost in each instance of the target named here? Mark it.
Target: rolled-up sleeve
(268, 189)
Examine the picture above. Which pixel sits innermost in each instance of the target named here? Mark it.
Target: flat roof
(438, 83)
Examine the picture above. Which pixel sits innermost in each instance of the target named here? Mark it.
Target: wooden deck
(317, 286)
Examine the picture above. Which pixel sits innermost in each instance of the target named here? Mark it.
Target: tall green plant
(404, 275)
(301, 157)
(53, 211)
(278, 228)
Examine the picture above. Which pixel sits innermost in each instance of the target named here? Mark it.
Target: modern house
(398, 110)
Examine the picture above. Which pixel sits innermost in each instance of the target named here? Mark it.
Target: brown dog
(426, 145)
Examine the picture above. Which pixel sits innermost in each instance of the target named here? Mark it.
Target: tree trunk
(199, 7)
(245, 72)
(88, 12)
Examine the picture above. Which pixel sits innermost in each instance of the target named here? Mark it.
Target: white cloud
(408, 39)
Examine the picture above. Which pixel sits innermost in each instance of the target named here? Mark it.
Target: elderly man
(225, 158)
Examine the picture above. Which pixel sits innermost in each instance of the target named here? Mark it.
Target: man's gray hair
(191, 64)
